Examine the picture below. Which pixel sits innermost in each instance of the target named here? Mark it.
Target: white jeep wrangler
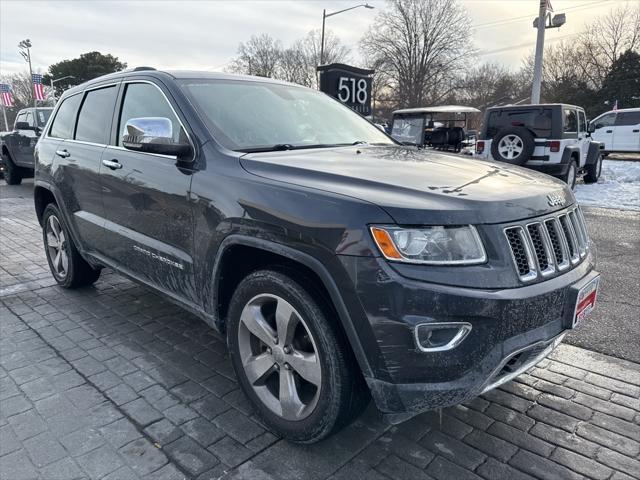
(551, 138)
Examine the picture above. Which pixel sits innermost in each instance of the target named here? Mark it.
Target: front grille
(553, 244)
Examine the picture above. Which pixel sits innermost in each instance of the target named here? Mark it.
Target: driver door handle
(112, 164)
(63, 153)
(609, 131)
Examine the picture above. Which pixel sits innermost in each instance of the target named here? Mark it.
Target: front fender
(314, 265)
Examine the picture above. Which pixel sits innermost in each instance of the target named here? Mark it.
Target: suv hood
(418, 187)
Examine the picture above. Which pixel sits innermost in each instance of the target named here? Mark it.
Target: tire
(571, 174)
(593, 171)
(13, 173)
(70, 270)
(330, 394)
(513, 145)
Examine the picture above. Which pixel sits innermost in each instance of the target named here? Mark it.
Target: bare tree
(421, 43)
(260, 56)
(264, 56)
(605, 39)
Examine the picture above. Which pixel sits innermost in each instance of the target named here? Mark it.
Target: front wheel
(290, 360)
(67, 266)
(593, 171)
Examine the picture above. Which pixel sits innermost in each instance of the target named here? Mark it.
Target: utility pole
(541, 24)
(24, 46)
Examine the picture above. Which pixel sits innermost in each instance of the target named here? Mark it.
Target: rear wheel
(593, 171)
(68, 267)
(571, 174)
(292, 363)
(13, 173)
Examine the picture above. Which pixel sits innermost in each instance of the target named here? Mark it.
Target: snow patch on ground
(618, 187)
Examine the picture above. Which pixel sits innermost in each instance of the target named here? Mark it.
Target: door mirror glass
(24, 126)
(152, 135)
(591, 128)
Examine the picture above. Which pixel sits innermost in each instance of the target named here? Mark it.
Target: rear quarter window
(569, 121)
(64, 121)
(627, 118)
(537, 120)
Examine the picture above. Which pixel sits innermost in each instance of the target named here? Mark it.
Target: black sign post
(350, 85)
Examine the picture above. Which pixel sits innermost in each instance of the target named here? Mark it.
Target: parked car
(442, 127)
(549, 138)
(618, 131)
(17, 146)
(339, 264)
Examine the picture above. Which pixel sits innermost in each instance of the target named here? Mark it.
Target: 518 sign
(352, 90)
(349, 85)
(355, 92)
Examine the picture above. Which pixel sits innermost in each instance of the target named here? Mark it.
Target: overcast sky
(180, 34)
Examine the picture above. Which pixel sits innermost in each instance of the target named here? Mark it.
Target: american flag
(7, 97)
(38, 88)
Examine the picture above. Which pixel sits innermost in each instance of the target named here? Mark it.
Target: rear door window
(65, 118)
(96, 113)
(569, 121)
(628, 118)
(537, 120)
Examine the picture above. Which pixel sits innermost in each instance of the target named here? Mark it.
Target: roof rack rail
(140, 69)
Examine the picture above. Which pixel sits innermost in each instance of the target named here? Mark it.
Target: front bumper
(512, 330)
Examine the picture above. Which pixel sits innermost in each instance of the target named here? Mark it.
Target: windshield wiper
(283, 146)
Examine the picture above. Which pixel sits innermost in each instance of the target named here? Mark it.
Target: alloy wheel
(510, 146)
(57, 247)
(279, 357)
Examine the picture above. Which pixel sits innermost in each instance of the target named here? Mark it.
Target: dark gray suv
(339, 264)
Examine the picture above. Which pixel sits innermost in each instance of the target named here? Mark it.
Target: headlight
(456, 245)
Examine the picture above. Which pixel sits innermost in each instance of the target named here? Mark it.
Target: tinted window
(570, 121)
(64, 122)
(94, 120)
(146, 100)
(536, 120)
(628, 118)
(605, 121)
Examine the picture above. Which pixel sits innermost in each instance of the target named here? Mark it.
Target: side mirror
(23, 126)
(591, 128)
(153, 135)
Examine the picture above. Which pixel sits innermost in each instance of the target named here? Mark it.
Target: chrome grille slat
(550, 245)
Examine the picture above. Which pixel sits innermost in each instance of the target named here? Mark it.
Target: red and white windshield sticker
(586, 301)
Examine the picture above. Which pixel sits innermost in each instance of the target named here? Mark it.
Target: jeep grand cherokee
(338, 263)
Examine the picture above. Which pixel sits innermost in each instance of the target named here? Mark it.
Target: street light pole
(541, 24)
(326, 15)
(24, 46)
(53, 90)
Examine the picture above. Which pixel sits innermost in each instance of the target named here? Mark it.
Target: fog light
(440, 337)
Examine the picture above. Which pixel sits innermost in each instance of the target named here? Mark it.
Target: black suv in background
(338, 263)
(17, 146)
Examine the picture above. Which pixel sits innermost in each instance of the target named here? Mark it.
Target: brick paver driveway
(115, 382)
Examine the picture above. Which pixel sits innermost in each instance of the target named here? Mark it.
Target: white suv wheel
(510, 146)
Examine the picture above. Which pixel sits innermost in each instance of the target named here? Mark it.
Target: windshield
(254, 116)
(43, 115)
(408, 129)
